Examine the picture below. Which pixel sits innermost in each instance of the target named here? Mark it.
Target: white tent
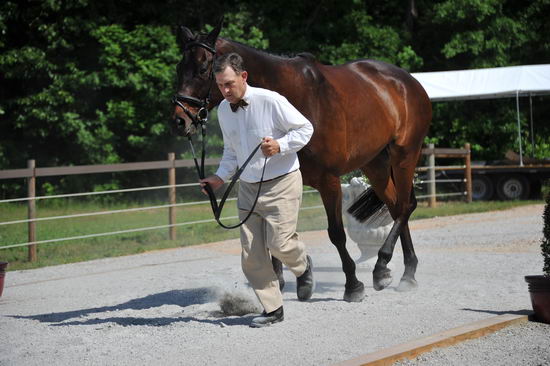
(500, 82)
(497, 82)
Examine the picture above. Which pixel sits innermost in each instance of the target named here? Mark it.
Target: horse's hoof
(407, 284)
(355, 294)
(381, 281)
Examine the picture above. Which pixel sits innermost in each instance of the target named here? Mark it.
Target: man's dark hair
(233, 60)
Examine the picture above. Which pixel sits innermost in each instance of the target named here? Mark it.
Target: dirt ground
(164, 306)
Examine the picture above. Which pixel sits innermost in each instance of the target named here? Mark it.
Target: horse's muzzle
(181, 127)
(186, 123)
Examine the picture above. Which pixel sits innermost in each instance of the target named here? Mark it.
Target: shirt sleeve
(228, 164)
(297, 128)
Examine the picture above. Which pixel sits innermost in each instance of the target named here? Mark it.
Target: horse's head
(195, 80)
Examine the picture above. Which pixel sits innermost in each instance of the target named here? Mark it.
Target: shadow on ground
(164, 321)
(514, 312)
(182, 298)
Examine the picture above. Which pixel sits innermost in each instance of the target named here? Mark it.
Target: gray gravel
(525, 344)
(165, 307)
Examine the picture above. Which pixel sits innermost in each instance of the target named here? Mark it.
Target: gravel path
(525, 344)
(165, 307)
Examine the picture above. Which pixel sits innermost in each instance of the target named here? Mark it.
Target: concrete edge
(413, 349)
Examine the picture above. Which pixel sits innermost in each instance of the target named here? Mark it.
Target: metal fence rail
(112, 233)
(68, 195)
(434, 153)
(135, 209)
(443, 195)
(31, 173)
(173, 225)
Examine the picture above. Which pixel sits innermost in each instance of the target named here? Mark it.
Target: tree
(467, 34)
(91, 82)
(85, 82)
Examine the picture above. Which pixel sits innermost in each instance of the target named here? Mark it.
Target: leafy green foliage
(79, 90)
(85, 82)
(372, 40)
(483, 30)
(240, 26)
(466, 34)
(136, 74)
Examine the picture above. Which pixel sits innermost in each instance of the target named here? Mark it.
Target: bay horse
(367, 115)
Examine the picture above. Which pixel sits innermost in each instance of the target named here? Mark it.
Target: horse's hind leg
(379, 173)
(403, 162)
(408, 282)
(331, 193)
(393, 185)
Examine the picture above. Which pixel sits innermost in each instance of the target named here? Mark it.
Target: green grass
(132, 243)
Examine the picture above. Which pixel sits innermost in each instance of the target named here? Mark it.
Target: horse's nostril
(177, 126)
(191, 130)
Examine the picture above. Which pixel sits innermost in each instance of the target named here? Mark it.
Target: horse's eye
(203, 67)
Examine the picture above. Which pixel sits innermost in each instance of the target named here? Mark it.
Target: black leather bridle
(199, 119)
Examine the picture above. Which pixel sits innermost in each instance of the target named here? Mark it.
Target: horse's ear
(183, 36)
(213, 35)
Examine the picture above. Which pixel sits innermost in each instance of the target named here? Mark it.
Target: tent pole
(532, 130)
(519, 130)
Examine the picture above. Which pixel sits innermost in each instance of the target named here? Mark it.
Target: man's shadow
(182, 298)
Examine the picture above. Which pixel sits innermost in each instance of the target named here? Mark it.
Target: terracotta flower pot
(539, 289)
(3, 266)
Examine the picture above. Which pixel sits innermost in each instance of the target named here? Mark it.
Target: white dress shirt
(267, 114)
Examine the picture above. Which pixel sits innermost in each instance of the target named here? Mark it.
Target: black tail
(366, 205)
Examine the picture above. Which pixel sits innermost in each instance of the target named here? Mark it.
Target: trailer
(516, 177)
(505, 179)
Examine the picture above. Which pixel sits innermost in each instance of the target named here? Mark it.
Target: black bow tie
(241, 103)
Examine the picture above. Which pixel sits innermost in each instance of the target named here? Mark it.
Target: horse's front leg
(331, 193)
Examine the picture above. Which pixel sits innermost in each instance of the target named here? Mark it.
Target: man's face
(231, 85)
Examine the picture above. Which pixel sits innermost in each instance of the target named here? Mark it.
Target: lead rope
(217, 208)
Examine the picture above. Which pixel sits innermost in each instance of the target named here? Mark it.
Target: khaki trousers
(271, 230)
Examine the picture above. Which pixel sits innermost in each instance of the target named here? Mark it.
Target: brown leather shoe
(268, 318)
(305, 283)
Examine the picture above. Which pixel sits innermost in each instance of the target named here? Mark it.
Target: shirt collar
(247, 93)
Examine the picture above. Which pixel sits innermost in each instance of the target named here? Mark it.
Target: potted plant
(539, 286)
(3, 266)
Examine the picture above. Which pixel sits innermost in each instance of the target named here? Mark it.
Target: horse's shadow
(495, 312)
(182, 298)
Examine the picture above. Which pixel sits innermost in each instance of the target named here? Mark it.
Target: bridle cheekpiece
(201, 117)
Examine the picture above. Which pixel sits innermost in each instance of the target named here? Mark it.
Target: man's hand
(270, 146)
(213, 181)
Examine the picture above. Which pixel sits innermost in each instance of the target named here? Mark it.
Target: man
(247, 117)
